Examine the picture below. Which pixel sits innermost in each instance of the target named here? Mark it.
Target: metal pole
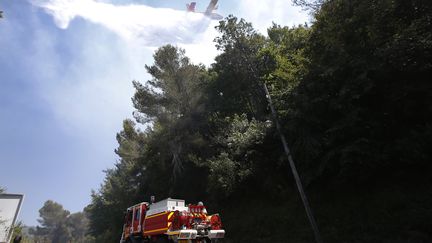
(294, 169)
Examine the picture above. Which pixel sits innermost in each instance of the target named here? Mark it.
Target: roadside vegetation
(354, 96)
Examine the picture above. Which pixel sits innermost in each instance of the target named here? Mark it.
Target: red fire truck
(170, 220)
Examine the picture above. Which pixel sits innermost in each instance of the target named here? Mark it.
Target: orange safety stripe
(150, 231)
(155, 215)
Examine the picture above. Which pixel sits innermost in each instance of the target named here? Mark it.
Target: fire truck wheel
(163, 239)
(136, 240)
(213, 241)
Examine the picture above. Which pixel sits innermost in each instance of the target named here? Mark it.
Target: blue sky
(66, 71)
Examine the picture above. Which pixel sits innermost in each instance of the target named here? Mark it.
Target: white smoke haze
(152, 26)
(264, 12)
(110, 66)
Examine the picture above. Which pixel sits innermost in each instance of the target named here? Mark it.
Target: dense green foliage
(354, 98)
(59, 225)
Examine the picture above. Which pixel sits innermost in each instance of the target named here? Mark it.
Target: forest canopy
(354, 97)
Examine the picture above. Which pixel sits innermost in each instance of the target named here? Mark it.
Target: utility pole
(303, 196)
(293, 169)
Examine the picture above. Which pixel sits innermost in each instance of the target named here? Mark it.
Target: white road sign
(10, 204)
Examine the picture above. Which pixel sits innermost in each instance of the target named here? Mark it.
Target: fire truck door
(136, 221)
(128, 223)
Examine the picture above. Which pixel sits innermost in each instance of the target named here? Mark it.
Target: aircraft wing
(211, 7)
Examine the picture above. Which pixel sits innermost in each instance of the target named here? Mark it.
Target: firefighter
(202, 204)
